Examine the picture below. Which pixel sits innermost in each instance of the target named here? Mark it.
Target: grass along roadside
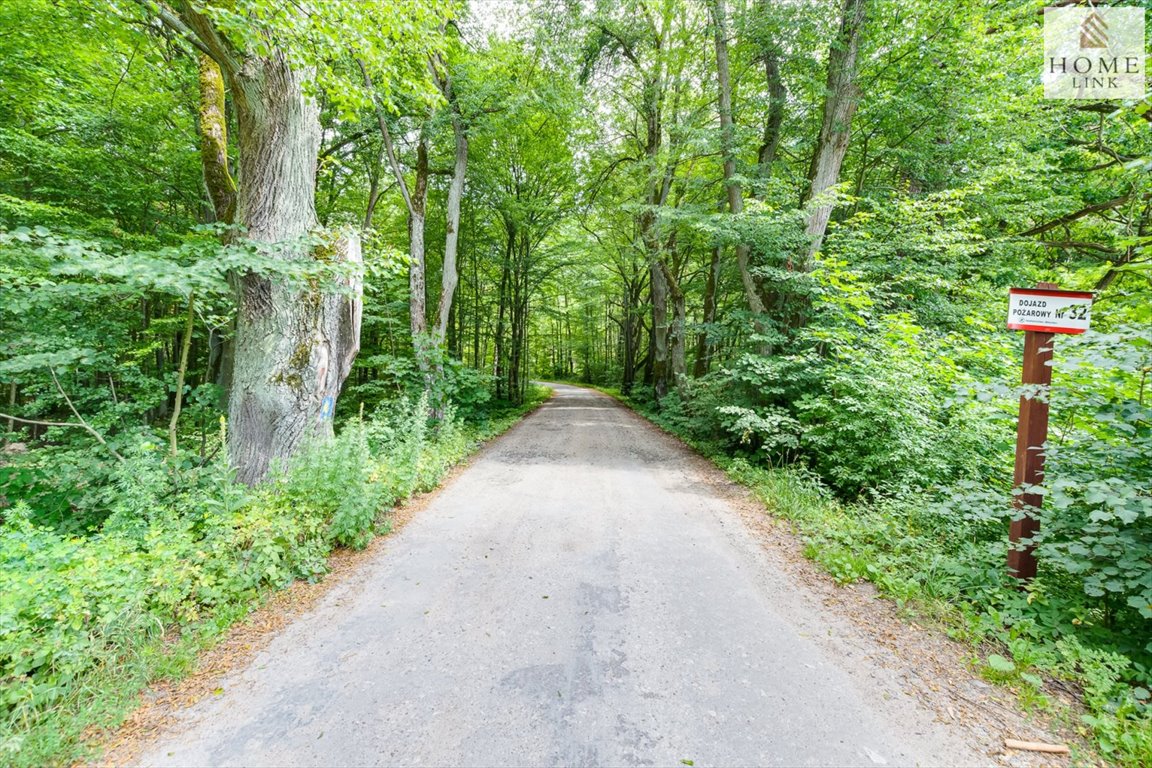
(90, 623)
(895, 545)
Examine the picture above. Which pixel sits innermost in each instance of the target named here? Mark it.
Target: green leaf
(1001, 664)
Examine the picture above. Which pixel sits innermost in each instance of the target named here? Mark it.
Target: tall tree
(841, 98)
(733, 189)
(648, 47)
(449, 275)
(294, 345)
(416, 203)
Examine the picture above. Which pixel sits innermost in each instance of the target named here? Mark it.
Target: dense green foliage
(859, 378)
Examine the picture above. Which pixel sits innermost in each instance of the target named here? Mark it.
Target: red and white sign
(1049, 310)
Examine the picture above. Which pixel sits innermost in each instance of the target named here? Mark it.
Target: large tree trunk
(416, 201)
(840, 101)
(518, 311)
(629, 340)
(294, 346)
(450, 278)
(661, 363)
(676, 329)
(498, 362)
(213, 129)
(777, 97)
(417, 298)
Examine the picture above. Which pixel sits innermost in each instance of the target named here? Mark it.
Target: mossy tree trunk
(294, 345)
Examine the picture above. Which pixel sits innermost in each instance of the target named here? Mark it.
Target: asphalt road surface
(578, 596)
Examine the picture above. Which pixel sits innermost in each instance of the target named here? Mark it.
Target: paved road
(578, 596)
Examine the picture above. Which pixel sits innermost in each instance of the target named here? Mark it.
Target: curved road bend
(578, 596)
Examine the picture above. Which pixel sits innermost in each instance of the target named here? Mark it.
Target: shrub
(336, 481)
(1097, 518)
(882, 415)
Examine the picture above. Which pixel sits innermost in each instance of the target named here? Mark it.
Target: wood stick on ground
(1036, 746)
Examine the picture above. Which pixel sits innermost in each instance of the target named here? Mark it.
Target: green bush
(336, 481)
(1097, 517)
(877, 421)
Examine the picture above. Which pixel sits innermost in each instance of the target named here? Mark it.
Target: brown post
(1031, 434)
(12, 405)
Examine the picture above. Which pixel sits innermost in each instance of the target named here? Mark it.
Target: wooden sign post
(1040, 312)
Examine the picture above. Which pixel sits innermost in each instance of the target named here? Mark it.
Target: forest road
(580, 595)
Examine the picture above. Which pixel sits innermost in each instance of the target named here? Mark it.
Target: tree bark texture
(417, 281)
(704, 347)
(661, 369)
(450, 278)
(677, 359)
(777, 96)
(182, 372)
(416, 201)
(214, 141)
(294, 346)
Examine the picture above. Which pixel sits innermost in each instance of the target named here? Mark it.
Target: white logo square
(1094, 52)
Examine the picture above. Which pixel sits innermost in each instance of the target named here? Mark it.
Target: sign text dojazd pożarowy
(1049, 310)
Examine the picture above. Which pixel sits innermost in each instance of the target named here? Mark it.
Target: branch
(1099, 146)
(213, 130)
(38, 423)
(10, 417)
(1114, 270)
(204, 31)
(1077, 244)
(1069, 218)
(390, 150)
(1101, 107)
(339, 145)
(173, 23)
(1098, 167)
(83, 424)
(625, 47)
